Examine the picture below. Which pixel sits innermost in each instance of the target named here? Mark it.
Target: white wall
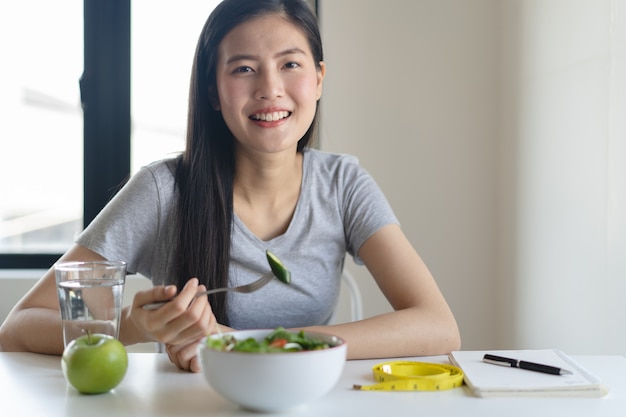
(565, 97)
(497, 131)
(412, 90)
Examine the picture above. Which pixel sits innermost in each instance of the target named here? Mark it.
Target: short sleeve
(128, 227)
(365, 207)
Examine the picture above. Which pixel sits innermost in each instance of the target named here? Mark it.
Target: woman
(248, 182)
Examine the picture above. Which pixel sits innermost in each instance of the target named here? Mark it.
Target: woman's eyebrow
(241, 57)
(250, 57)
(291, 51)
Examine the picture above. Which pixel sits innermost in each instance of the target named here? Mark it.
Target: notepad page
(485, 379)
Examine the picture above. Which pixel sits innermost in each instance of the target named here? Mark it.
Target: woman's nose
(270, 86)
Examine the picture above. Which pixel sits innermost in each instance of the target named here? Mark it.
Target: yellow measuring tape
(414, 376)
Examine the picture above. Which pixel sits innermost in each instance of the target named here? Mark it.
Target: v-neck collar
(238, 223)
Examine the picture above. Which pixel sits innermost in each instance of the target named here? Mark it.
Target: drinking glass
(90, 297)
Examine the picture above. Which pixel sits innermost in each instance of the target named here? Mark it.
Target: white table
(33, 385)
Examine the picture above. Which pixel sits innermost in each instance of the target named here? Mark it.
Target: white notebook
(488, 380)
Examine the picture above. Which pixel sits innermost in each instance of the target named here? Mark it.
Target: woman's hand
(179, 324)
(184, 356)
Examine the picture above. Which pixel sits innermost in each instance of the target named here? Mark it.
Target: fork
(244, 289)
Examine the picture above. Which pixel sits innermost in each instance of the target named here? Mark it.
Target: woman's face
(268, 84)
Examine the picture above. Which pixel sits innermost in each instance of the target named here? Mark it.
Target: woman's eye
(242, 69)
(291, 65)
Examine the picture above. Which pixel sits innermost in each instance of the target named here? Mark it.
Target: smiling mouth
(271, 117)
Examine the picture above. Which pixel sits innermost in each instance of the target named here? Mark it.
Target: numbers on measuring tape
(413, 376)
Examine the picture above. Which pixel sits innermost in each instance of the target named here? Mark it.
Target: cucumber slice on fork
(279, 270)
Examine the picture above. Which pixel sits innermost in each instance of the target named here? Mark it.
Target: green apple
(94, 363)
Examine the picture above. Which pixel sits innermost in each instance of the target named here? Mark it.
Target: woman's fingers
(196, 322)
(142, 319)
(183, 318)
(184, 356)
(179, 304)
(181, 323)
(156, 293)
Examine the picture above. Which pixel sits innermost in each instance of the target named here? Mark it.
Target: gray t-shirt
(339, 208)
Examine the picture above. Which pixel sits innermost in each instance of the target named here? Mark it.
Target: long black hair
(206, 169)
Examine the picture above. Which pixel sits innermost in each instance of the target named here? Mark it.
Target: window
(67, 157)
(41, 169)
(163, 44)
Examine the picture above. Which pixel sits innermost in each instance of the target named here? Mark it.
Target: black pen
(529, 366)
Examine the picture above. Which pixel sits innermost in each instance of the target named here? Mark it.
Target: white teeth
(270, 117)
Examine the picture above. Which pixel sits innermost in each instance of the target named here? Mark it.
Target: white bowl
(271, 382)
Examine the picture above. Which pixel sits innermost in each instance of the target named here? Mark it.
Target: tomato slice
(278, 343)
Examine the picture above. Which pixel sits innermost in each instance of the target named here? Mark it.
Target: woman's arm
(34, 324)
(422, 323)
